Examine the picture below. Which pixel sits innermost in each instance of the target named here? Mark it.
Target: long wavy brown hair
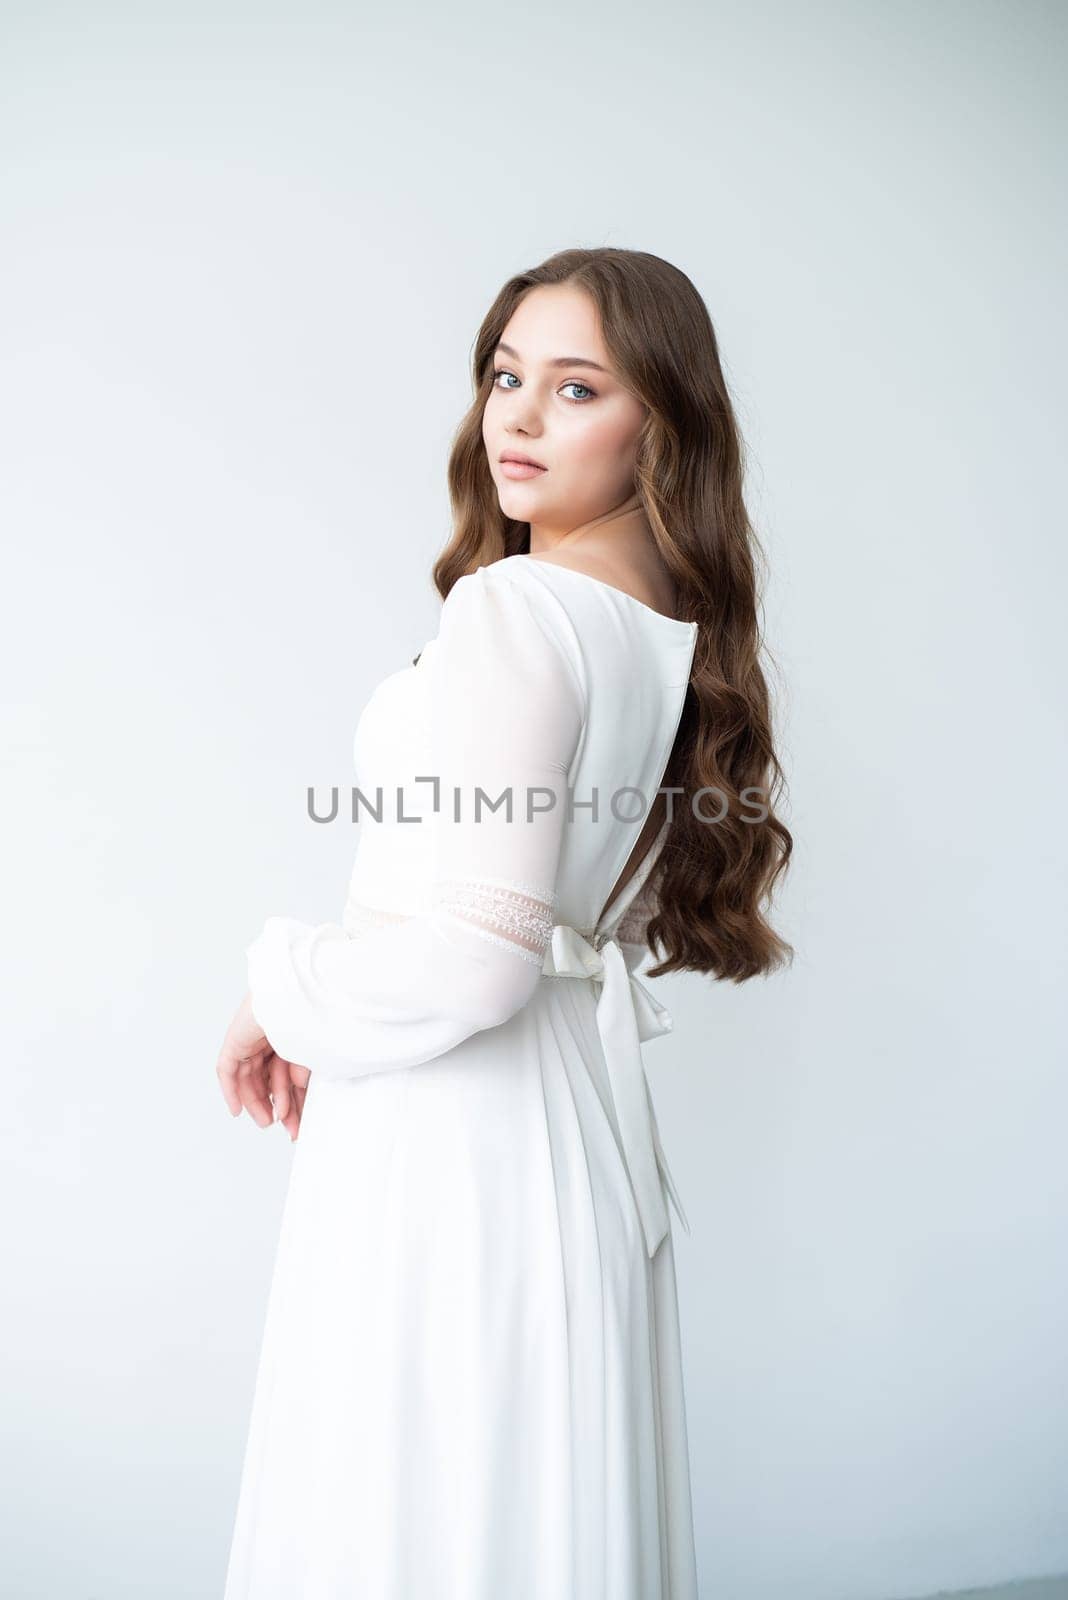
(711, 884)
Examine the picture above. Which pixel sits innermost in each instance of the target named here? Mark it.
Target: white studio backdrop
(246, 251)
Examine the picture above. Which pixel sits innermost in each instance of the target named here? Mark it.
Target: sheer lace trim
(633, 924)
(513, 916)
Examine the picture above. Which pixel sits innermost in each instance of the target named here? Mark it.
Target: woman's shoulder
(504, 616)
(511, 583)
(564, 612)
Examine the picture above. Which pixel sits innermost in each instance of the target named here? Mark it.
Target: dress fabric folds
(470, 1379)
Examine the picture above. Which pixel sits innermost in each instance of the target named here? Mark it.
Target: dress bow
(627, 1014)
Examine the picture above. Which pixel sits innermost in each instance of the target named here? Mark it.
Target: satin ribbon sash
(627, 1015)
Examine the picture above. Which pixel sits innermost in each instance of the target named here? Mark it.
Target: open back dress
(470, 1379)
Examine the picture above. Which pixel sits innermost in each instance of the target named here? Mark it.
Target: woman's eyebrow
(557, 361)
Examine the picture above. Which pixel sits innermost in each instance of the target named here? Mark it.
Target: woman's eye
(503, 372)
(573, 383)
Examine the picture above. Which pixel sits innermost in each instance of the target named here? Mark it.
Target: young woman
(470, 1383)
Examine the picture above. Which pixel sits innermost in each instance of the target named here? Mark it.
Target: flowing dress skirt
(470, 1378)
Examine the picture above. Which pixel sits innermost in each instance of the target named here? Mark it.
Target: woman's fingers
(296, 1084)
(240, 1079)
(285, 1111)
(241, 1063)
(278, 1077)
(255, 1078)
(251, 1084)
(297, 1094)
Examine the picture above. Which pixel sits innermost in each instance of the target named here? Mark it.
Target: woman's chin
(518, 495)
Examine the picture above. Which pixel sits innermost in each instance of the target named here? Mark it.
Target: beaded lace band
(514, 916)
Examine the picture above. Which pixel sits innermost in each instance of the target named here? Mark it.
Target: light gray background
(246, 252)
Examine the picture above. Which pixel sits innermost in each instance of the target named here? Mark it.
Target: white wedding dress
(470, 1381)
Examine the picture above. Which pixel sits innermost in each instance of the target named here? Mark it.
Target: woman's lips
(520, 469)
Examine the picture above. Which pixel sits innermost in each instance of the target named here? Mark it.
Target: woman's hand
(251, 1075)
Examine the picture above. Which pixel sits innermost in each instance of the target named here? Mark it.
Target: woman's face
(557, 399)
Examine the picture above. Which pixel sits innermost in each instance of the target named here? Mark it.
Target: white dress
(470, 1380)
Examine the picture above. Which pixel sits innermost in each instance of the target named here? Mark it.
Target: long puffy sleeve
(506, 714)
